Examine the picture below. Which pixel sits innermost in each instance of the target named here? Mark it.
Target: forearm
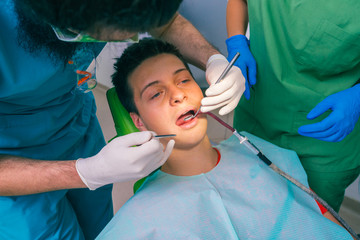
(236, 17)
(188, 40)
(22, 176)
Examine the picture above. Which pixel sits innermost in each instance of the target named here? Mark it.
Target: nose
(177, 96)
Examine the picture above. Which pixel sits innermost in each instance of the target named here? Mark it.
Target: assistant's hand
(246, 62)
(345, 106)
(225, 94)
(125, 158)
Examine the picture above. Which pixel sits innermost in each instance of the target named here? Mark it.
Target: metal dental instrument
(228, 67)
(165, 136)
(244, 140)
(226, 70)
(161, 136)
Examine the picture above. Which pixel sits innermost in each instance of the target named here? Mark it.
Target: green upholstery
(122, 121)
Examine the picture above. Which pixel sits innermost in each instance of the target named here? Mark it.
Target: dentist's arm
(192, 45)
(236, 17)
(118, 161)
(236, 23)
(22, 176)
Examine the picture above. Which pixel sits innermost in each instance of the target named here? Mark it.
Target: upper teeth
(188, 112)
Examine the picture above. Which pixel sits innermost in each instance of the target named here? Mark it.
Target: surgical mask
(68, 36)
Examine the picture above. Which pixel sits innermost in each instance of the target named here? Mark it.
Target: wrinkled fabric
(241, 198)
(43, 116)
(305, 50)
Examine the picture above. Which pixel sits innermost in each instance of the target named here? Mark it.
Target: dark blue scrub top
(44, 116)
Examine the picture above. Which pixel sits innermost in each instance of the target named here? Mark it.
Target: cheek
(196, 91)
(157, 121)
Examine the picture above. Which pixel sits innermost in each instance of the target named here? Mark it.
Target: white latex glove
(227, 92)
(121, 160)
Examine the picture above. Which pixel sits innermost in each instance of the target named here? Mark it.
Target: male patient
(204, 192)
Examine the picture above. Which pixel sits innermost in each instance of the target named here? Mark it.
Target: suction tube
(257, 152)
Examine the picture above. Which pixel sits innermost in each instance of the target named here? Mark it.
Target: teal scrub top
(44, 116)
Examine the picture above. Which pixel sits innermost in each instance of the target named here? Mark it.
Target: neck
(198, 159)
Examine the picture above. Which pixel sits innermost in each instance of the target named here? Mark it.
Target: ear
(138, 121)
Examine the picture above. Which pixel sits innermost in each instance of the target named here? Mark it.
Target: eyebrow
(157, 81)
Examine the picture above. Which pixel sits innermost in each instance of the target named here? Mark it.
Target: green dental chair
(122, 121)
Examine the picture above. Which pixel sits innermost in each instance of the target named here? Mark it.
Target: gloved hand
(227, 92)
(121, 160)
(345, 106)
(246, 62)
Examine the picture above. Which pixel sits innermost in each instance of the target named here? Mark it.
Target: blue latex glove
(246, 62)
(345, 106)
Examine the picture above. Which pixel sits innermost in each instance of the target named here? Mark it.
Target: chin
(190, 139)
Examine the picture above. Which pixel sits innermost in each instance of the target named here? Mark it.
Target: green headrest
(123, 123)
(122, 120)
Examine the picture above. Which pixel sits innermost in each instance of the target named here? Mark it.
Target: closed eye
(185, 81)
(156, 95)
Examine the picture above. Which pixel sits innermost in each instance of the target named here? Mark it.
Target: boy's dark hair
(132, 57)
(84, 15)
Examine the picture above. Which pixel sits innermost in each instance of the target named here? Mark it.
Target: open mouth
(181, 120)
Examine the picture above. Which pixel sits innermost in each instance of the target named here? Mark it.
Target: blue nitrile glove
(345, 106)
(246, 62)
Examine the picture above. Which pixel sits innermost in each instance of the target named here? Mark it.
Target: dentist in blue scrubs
(55, 169)
(46, 119)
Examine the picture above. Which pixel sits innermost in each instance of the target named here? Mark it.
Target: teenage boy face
(164, 94)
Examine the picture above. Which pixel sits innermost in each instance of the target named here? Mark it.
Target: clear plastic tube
(244, 140)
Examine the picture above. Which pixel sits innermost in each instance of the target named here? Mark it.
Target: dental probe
(160, 136)
(244, 140)
(165, 136)
(228, 67)
(223, 74)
